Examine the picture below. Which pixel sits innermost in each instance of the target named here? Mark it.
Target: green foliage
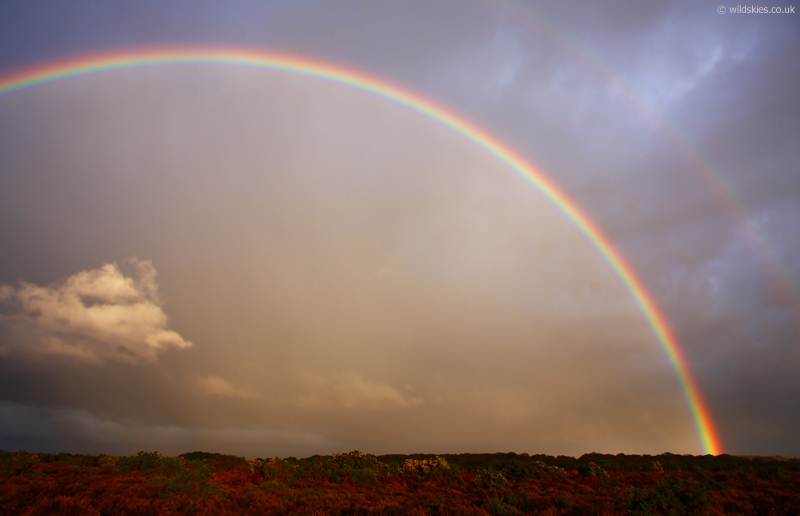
(311, 493)
(522, 500)
(670, 497)
(517, 470)
(216, 460)
(592, 470)
(363, 476)
(424, 468)
(656, 467)
(567, 503)
(366, 465)
(772, 472)
(20, 462)
(142, 461)
(352, 466)
(498, 505)
(107, 460)
(174, 475)
(170, 466)
(177, 476)
(198, 455)
(193, 483)
(487, 479)
(273, 486)
(277, 469)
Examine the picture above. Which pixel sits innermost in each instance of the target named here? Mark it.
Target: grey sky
(351, 275)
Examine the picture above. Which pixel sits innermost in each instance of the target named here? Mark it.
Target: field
(356, 483)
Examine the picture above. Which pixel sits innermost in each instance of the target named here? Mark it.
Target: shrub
(192, 483)
(142, 461)
(487, 479)
(567, 503)
(516, 470)
(169, 466)
(106, 460)
(356, 460)
(592, 470)
(277, 469)
(352, 466)
(273, 486)
(678, 496)
(356, 467)
(772, 472)
(413, 467)
(497, 505)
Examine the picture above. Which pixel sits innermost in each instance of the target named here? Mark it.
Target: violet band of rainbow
(146, 58)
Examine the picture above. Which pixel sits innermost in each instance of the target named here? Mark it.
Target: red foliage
(163, 486)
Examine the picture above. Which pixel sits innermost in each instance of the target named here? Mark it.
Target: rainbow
(109, 62)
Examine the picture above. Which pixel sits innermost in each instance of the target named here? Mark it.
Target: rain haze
(258, 262)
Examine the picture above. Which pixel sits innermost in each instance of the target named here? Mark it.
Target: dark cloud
(56, 430)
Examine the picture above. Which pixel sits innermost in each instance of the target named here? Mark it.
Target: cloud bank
(94, 316)
(67, 429)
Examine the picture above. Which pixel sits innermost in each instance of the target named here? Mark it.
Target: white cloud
(94, 316)
(213, 385)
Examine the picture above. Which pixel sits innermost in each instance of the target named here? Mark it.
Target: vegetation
(357, 483)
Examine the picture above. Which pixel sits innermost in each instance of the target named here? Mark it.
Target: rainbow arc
(126, 60)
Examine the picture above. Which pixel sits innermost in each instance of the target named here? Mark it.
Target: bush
(169, 466)
(675, 497)
(355, 460)
(352, 466)
(497, 505)
(192, 483)
(424, 467)
(592, 470)
(487, 479)
(276, 469)
(517, 470)
(142, 461)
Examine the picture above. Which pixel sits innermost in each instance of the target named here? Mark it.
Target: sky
(260, 263)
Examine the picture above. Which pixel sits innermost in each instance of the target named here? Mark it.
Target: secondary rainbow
(592, 60)
(127, 60)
